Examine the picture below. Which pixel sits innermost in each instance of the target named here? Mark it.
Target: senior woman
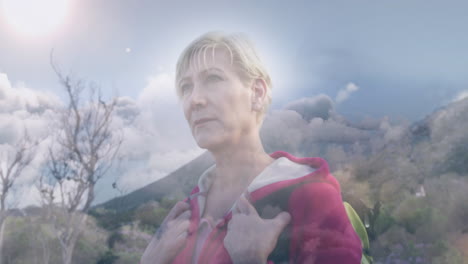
(250, 206)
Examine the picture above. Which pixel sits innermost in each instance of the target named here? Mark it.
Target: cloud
(450, 122)
(21, 109)
(24, 110)
(9, 128)
(344, 94)
(127, 109)
(283, 130)
(307, 126)
(161, 113)
(160, 88)
(368, 123)
(460, 96)
(392, 132)
(157, 139)
(445, 149)
(344, 143)
(21, 98)
(138, 177)
(332, 131)
(311, 107)
(155, 167)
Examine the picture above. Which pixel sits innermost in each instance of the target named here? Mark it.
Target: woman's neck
(238, 167)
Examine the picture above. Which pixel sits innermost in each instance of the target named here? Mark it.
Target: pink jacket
(319, 232)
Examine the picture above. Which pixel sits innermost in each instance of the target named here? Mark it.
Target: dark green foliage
(457, 160)
(459, 213)
(150, 216)
(17, 240)
(87, 250)
(168, 203)
(380, 223)
(31, 239)
(109, 257)
(114, 238)
(112, 219)
(416, 219)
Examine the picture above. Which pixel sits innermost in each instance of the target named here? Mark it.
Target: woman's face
(217, 105)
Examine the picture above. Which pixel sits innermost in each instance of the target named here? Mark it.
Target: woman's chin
(208, 143)
(204, 142)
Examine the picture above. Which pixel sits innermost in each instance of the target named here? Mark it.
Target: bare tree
(83, 150)
(13, 160)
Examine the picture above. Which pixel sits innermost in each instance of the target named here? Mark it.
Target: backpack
(360, 229)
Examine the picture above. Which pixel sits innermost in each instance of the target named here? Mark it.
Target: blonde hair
(243, 56)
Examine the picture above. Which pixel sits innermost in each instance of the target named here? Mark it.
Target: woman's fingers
(177, 226)
(171, 235)
(181, 240)
(245, 207)
(182, 236)
(169, 244)
(185, 215)
(182, 217)
(282, 219)
(178, 208)
(250, 207)
(236, 210)
(242, 207)
(280, 222)
(180, 211)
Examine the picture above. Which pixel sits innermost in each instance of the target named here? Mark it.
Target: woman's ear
(259, 91)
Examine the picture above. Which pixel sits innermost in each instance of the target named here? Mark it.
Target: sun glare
(34, 17)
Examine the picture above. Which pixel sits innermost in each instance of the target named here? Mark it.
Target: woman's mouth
(202, 121)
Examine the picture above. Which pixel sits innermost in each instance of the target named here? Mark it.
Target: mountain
(443, 130)
(177, 185)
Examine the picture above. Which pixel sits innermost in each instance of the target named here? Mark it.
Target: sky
(367, 60)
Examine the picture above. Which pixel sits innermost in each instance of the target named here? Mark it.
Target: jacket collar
(284, 171)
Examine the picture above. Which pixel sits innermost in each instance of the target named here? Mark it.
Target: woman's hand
(249, 238)
(170, 237)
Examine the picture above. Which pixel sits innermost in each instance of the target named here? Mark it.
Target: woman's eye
(185, 88)
(214, 77)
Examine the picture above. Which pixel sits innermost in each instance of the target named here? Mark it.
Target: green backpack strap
(361, 231)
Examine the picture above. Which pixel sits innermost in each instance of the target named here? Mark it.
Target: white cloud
(299, 129)
(450, 123)
(24, 109)
(392, 132)
(160, 88)
(283, 130)
(22, 98)
(157, 166)
(157, 139)
(460, 96)
(306, 125)
(344, 94)
(29, 196)
(168, 161)
(310, 107)
(334, 132)
(137, 178)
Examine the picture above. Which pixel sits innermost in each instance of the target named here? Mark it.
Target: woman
(250, 207)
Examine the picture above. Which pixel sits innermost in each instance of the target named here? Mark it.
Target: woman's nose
(197, 96)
